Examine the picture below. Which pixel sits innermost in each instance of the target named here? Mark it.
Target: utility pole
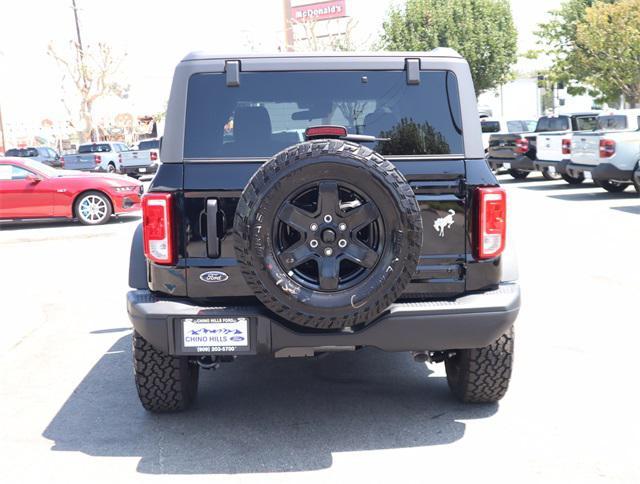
(79, 45)
(4, 146)
(288, 28)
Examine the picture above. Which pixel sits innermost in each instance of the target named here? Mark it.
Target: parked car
(385, 229)
(610, 154)
(516, 152)
(32, 190)
(44, 154)
(491, 126)
(143, 161)
(101, 156)
(553, 152)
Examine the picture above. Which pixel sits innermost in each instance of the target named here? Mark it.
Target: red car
(30, 189)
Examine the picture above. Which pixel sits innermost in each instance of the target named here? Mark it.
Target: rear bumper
(139, 170)
(471, 321)
(602, 171)
(542, 164)
(522, 162)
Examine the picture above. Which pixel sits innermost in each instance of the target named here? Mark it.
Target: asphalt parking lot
(69, 411)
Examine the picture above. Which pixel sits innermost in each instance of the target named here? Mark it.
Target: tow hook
(431, 356)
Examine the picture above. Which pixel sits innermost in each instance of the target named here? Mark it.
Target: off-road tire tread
(165, 383)
(482, 374)
(341, 149)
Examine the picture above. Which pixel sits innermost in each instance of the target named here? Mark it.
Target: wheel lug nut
(342, 243)
(342, 226)
(328, 218)
(328, 251)
(313, 243)
(314, 227)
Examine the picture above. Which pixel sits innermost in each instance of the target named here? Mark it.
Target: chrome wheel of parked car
(93, 209)
(549, 175)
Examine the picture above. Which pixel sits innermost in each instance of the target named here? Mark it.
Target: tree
(558, 37)
(92, 73)
(608, 49)
(482, 31)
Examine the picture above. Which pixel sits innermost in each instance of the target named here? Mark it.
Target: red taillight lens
(157, 227)
(97, 159)
(61, 160)
(323, 131)
(492, 221)
(607, 148)
(154, 156)
(522, 145)
(566, 146)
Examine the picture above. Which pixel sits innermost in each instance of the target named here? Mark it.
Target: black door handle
(213, 242)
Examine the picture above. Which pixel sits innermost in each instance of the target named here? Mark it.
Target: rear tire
(573, 180)
(111, 168)
(165, 383)
(518, 174)
(481, 375)
(611, 186)
(547, 175)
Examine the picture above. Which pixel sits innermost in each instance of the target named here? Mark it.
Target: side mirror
(31, 178)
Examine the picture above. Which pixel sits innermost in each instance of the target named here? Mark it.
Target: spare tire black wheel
(328, 233)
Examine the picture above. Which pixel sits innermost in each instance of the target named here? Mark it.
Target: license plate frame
(551, 170)
(142, 170)
(506, 166)
(587, 175)
(217, 335)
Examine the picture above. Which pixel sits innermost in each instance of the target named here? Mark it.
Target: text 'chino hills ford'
(309, 204)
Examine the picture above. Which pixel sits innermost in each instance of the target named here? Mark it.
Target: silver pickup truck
(102, 156)
(609, 155)
(143, 161)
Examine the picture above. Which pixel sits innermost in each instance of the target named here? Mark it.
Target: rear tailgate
(136, 158)
(80, 162)
(549, 147)
(585, 148)
(503, 146)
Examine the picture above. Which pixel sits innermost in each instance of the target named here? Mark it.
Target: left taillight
(492, 222)
(566, 146)
(61, 160)
(607, 148)
(153, 155)
(522, 145)
(157, 227)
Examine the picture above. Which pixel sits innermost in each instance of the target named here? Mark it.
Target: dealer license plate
(215, 334)
(587, 175)
(506, 166)
(142, 170)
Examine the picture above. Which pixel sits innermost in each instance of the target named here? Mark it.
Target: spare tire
(328, 234)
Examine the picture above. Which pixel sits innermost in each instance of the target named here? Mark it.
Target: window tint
(490, 126)
(515, 127)
(149, 144)
(586, 123)
(612, 122)
(94, 148)
(554, 123)
(270, 111)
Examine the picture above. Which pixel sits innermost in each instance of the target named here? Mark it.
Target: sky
(155, 36)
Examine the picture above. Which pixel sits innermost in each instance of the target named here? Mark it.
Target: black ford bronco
(315, 203)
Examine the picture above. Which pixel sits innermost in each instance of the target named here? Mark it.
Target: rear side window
(557, 123)
(95, 148)
(612, 122)
(269, 111)
(490, 126)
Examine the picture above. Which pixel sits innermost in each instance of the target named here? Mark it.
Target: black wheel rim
(328, 236)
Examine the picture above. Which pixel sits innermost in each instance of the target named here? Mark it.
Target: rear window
(149, 145)
(269, 111)
(612, 122)
(22, 152)
(557, 123)
(490, 126)
(94, 148)
(586, 123)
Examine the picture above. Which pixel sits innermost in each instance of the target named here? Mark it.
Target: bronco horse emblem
(440, 223)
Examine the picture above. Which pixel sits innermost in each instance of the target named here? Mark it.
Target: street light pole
(4, 146)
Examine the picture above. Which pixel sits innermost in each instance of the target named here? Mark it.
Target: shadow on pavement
(630, 209)
(264, 415)
(510, 180)
(53, 223)
(599, 195)
(559, 186)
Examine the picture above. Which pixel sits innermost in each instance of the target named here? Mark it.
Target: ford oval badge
(214, 276)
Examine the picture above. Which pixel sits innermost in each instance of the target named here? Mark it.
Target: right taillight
(153, 155)
(492, 221)
(522, 145)
(97, 159)
(566, 146)
(607, 148)
(157, 227)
